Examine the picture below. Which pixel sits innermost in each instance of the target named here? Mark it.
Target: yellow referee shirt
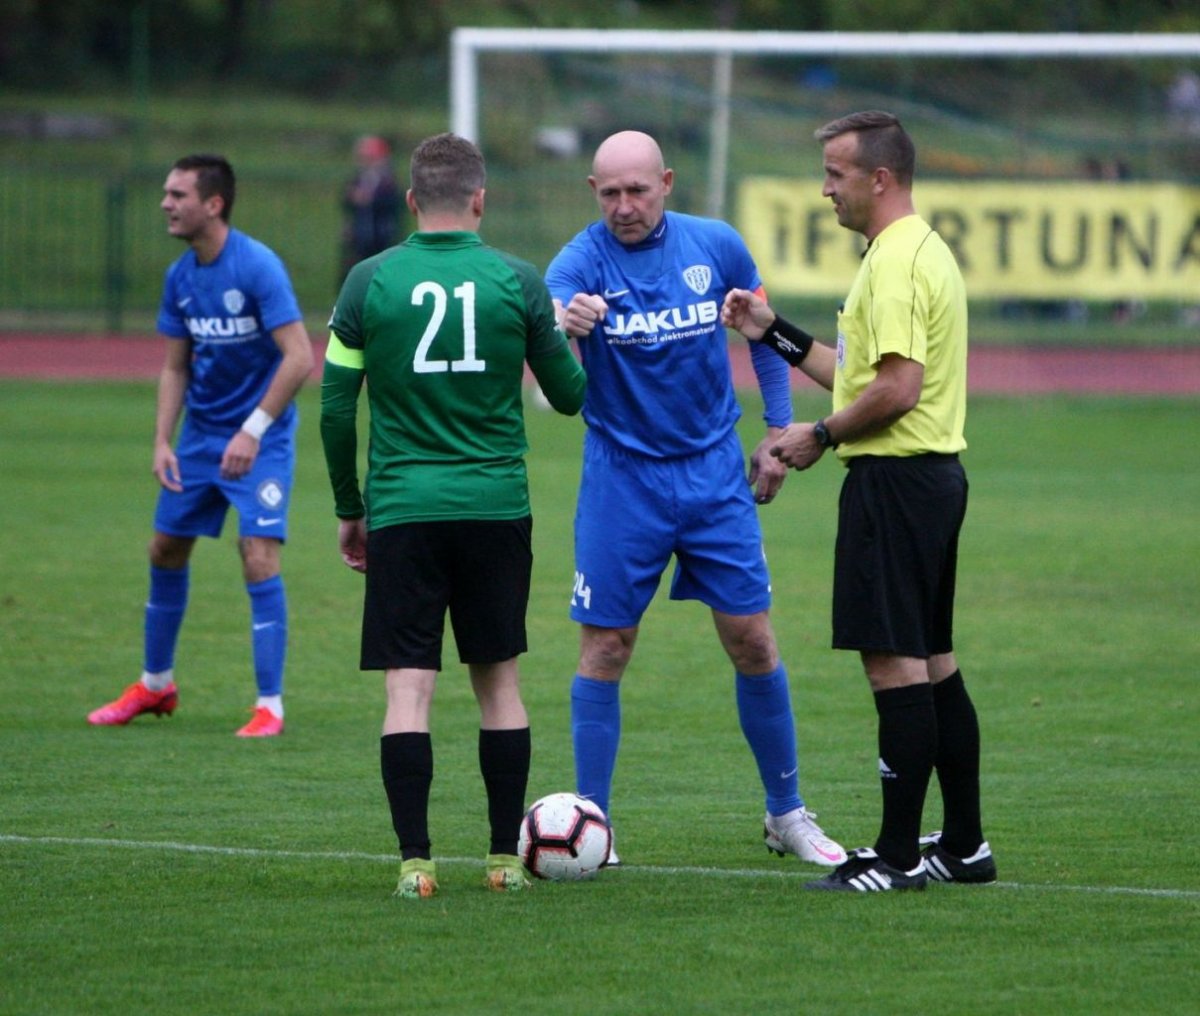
(908, 298)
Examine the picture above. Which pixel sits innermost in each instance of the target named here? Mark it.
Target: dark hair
(882, 142)
(214, 175)
(445, 171)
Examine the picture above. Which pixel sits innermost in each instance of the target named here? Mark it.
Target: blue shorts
(635, 512)
(260, 497)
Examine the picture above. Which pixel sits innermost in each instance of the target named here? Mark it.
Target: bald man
(663, 470)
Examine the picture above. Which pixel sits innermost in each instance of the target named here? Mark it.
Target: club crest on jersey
(698, 278)
(270, 493)
(235, 300)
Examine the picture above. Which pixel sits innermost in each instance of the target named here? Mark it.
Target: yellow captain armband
(339, 353)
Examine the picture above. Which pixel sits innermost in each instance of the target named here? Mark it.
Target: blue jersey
(228, 309)
(659, 380)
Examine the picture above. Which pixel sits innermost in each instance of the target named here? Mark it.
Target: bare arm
(293, 370)
(820, 364)
(895, 389)
(172, 386)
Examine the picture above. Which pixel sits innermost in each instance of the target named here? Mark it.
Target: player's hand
(239, 455)
(352, 543)
(767, 473)
(747, 313)
(797, 446)
(166, 468)
(582, 314)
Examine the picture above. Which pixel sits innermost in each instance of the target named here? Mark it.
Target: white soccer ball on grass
(564, 838)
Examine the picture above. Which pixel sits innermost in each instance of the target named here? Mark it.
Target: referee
(898, 377)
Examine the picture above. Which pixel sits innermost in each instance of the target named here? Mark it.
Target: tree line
(316, 43)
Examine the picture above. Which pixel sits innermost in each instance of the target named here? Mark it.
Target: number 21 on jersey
(422, 363)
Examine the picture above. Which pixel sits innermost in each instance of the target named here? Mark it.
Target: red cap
(373, 147)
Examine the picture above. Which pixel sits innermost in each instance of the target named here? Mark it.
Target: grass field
(169, 867)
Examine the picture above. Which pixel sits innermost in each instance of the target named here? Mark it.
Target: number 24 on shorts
(581, 592)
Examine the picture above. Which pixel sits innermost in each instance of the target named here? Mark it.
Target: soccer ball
(564, 838)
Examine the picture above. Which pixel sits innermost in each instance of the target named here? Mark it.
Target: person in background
(664, 473)
(440, 328)
(237, 352)
(899, 383)
(371, 203)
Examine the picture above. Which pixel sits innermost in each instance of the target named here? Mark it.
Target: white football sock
(159, 681)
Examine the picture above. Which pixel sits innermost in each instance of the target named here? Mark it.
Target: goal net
(1063, 169)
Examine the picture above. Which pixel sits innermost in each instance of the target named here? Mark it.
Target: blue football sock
(765, 710)
(164, 615)
(596, 735)
(268, 623)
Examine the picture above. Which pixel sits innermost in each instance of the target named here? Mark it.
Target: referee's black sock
(406, 762)
(907, 746)
(504, 762)
(957, 765)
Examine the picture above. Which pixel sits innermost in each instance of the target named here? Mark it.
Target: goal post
(467, 43)
(1055, 161)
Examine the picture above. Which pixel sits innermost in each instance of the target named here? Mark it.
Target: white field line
(689, 870)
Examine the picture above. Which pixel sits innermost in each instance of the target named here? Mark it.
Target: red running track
(1006, 370)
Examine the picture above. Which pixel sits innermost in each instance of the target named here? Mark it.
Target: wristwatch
(821, 433)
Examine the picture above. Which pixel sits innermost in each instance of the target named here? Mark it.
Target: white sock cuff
(159, 681)
(272, 702)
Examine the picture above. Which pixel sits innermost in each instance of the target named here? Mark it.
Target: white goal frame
(466, 44)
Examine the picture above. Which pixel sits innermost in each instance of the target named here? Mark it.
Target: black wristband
(788, 341)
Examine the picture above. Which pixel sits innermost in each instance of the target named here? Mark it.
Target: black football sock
(504, 762)
(907, 746)
(406, 761)
(957, 765)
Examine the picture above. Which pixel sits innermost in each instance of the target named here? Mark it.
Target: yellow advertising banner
(1048, 239)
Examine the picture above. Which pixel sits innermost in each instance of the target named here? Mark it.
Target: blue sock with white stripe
(268, 623)
(764, 706)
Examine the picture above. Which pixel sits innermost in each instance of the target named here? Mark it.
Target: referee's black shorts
(897, 554)
(479, 570)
